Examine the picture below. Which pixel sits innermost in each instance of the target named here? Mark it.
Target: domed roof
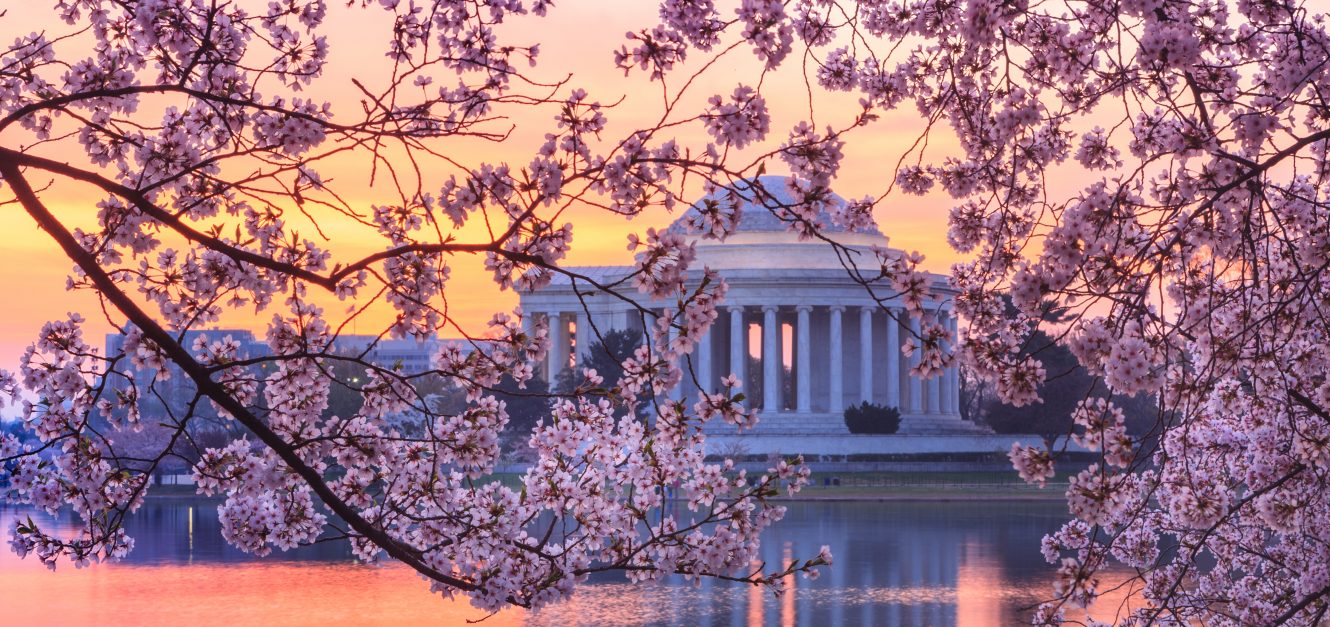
(762, 199)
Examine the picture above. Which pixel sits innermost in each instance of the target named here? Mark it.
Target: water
(957, 563)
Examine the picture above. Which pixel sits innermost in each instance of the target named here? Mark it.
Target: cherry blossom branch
(199, 375)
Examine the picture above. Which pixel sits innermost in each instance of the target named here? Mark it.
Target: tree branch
(199, 374)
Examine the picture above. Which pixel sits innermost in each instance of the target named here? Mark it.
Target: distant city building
(792, 311)
(409, 356)
(170, 396)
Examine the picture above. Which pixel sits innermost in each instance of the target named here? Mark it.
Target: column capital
(770, 308)
(803, 308)
(734, 308)
(836, 308)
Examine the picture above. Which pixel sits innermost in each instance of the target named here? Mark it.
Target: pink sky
(577, 38)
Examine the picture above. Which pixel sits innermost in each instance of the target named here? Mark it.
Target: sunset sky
(577, 38)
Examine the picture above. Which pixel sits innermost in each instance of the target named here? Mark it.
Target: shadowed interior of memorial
(820, 339)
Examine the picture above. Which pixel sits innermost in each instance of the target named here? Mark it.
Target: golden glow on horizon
(577, 37)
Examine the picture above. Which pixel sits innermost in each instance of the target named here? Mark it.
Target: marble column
(584, 334)
(770, 361)
(944, 377)
(951, 398)
(804, 365)
(949, 391)
(676, 392)
(703, 362)
(738, 343)
(529, 330)
(528, 323)
(836, 403)
(894, 357)
(935, 393)
(866, 354)
(916, 385)
(558, 355)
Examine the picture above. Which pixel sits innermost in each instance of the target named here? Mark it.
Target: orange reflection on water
(923, 581)
(239, 595)
(755, 604)
(977, 577)
(984, 591)
(787, 601)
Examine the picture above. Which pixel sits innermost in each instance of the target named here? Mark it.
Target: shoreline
(934, 486)
(889, 497)
(894, 494)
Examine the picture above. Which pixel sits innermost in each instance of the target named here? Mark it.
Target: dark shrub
(872, 419)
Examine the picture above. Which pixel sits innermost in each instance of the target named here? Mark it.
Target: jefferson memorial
(815, 339)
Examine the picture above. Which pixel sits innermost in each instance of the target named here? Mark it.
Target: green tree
(344, 396)
(525, 406)
(605, 356)
(1066, 384)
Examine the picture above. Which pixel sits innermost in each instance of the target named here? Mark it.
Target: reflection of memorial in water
(895, 564)
(914, 563)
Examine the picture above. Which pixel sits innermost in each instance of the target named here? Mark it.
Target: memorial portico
(817, 341)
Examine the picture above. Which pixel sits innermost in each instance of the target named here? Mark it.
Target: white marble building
(794, 311)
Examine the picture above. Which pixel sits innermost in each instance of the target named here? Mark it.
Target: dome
(756, 216)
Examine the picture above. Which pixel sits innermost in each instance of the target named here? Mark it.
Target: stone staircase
(940, 424)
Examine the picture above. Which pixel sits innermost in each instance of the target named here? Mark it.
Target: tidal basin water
(955, 563)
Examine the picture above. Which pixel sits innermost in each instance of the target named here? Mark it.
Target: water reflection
(896, 564)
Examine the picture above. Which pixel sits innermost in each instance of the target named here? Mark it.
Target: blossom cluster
(1187, 267)
(208, 154)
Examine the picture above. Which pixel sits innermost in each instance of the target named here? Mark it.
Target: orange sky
(578, 38)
